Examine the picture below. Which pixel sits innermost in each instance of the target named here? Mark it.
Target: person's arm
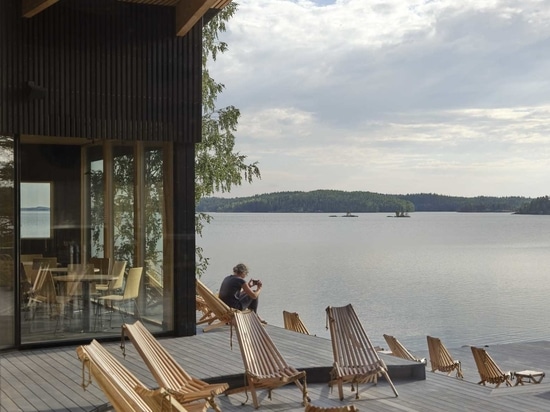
(252, 293)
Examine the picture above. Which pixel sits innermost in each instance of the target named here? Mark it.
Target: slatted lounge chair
(206, 314)
(265, 367)
(123, 390)
(397, 349)
(347, 408)
(293, 322)
(489, 370)
(167, 372)
(355, 358)
(441, 359)
(222, 312)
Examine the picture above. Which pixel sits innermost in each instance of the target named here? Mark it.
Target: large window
(36, 210)
(107, 204)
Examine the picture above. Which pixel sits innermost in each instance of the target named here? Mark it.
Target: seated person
(237, 293)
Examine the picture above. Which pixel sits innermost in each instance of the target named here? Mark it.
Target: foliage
(319, 201)
(538, 206)
(429, 202)
(334, 201)
(217, 166)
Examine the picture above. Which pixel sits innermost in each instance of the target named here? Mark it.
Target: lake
(467, 278)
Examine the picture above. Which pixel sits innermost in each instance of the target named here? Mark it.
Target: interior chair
(102, 266)
(29, 257)
(69, 294)
(293, 322)
(114, 285)
(397, 349)
(489, 370)
(355, 358)
(168, 373)
(223, 314)
(42, 293)
(124, 391)
(440, 358)
(265, 367)
(44, 261)
(120, 301)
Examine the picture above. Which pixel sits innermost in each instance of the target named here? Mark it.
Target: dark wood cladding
(103, 70)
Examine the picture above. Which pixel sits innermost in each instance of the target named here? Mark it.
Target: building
(100, 109)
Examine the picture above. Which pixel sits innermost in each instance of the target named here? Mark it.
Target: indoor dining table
(87, 280)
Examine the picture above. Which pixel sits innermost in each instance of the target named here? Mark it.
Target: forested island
(538, 206)
(336, 201)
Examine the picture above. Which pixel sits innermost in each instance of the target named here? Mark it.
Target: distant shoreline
(35, 209)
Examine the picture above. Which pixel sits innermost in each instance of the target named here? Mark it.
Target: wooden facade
(115, 71)
(125, 71)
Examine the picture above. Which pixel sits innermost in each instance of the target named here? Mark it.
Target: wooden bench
(529, 375)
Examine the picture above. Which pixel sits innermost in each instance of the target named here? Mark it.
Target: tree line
(336, 201)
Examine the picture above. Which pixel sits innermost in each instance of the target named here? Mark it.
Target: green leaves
(217, 166)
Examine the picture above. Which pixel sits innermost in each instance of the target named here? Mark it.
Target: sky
(449, 97)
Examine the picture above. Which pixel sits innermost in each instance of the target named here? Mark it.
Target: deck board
(50, 379)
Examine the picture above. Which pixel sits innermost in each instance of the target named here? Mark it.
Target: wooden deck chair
(293, 322)
(489, 370)
(123, 390)
(167, 372)
(355, 358)
(347, 408)
(223, 314)
(397, 349)
(441, 359)
(206, 313)
(265, 367)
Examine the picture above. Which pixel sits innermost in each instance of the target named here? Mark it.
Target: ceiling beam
(189, 12)
(32, 7)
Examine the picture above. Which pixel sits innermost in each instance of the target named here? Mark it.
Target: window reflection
(7, 236)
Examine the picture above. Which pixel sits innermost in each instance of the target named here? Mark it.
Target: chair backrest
(131, 289)
(261, 357)
(350, 344)
(44, 287)
(44, 261)
(29, 257)
(216, 305)
(293, 322)
(397, 349)
(167, 372)
(124, 391)
(119, 266)
(486, 366)
(440, 358)
(103, 264)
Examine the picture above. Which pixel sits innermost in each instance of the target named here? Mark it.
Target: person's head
(240, 270)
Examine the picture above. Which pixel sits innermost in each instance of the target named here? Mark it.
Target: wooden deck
(49, 379)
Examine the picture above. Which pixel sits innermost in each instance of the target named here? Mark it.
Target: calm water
(466, 278)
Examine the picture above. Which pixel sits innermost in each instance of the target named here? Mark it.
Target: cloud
(395, 96)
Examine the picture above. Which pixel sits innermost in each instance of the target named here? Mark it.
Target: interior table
(86, 281)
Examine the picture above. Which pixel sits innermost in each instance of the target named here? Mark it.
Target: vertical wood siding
(116, 71)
